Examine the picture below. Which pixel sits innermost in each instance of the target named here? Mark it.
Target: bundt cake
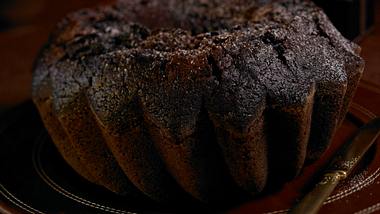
(196, 97)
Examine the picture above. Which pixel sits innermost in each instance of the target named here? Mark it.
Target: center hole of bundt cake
(197, 17)
(175, 25)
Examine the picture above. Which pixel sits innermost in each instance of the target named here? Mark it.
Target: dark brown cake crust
(204, 96)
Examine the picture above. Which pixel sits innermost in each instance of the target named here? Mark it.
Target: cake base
(61, 189)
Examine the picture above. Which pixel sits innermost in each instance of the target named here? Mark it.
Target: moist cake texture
(199, 97)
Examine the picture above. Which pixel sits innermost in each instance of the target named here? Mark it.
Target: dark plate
(35, 179)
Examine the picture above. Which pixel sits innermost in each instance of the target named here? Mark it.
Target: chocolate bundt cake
(199, 97)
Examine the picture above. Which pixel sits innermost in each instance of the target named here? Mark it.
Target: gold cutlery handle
(313, 201)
